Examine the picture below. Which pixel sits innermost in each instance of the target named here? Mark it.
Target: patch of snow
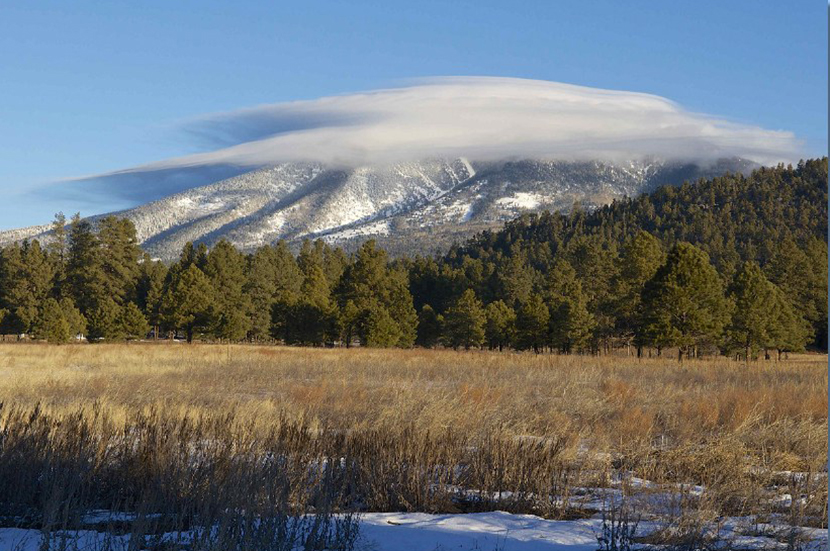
(470, 170)
(521, 200)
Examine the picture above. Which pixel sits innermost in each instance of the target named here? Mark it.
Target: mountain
(415, 206)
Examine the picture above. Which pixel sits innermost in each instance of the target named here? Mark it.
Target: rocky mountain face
(408, 207)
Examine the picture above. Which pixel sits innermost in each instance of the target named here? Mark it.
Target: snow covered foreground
(416, 532)
(495, 531)
(485, 531)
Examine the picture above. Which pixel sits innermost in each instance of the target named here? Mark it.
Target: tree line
(734, 264)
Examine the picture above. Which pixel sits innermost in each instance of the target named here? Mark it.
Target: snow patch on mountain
(432, 200)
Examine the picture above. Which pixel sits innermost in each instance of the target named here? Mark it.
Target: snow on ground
(484, 531)
(380, 227)
(521, 200)
(410, 532)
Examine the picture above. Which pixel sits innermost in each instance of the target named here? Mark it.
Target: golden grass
(197, 432)
(610, 403)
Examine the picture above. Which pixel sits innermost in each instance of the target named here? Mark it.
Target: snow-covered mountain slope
(409, 206)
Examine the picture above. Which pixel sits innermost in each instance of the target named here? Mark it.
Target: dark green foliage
(532, 325)
(133, 323)
(150, 290)
(381, 330)
(429, 327)
(369, 285)
(464, 322)
(225, 268)
(119, 255)
(25, 283)
(640, 259)
(76, 320)
(188, 302)
(789, 331)
(86, 282)
(50, 324)
(571, 324)
(684, 304)
(752, 311)
(501, 325)
(104, 321)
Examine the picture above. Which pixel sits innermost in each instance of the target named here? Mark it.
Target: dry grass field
(192, 430)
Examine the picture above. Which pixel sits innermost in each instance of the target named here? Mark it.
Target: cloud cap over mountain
(482, 118)
(479, 117)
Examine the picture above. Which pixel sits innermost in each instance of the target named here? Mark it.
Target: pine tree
(26, 282)
(501, 325)
(642, 256)
(188, 302)
(515, 278)
(381, 330)
(150, 291)
(788, 331)
(595, 264)
(312, 317)
(50, 324)
(120, 255)
(104, 321)
(226, 270)
(400, 307)
(684, 304)
(464, 322)
(429, 327)
(85, 279)
(261, 290)
(570, 322)
(76, 320)
(752, 316)
(532, 322)
(58, 250)
(133, 323)
(370, 279)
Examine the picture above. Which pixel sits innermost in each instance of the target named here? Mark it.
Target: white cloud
(478, 117)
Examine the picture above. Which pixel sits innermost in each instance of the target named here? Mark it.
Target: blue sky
(90, 87)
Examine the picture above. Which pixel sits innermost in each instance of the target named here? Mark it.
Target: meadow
(176, 436)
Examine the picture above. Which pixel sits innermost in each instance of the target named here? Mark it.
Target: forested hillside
(734, 264)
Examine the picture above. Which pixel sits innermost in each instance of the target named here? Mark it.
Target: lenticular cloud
(480, 118)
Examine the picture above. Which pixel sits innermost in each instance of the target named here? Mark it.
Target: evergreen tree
(570, 322)
(261, 290)
(133, 323)
(788, 331)
(104, 321)
(119, 255)
(515, 278)
(684, 304)
(501, 325)
(381, 330)
(312, 318)
(26, 279)
(58, 250)
(752, 315)
(188, 302)
(429, 327)
(225, 268)
(150, 291)
(76, 320)
(532, 322)
(50, 324)
(464, 322)
(642, 256)
(85, 279)
(368, 280)
(594, 263)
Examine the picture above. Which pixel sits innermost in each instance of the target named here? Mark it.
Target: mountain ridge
(407, 206)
